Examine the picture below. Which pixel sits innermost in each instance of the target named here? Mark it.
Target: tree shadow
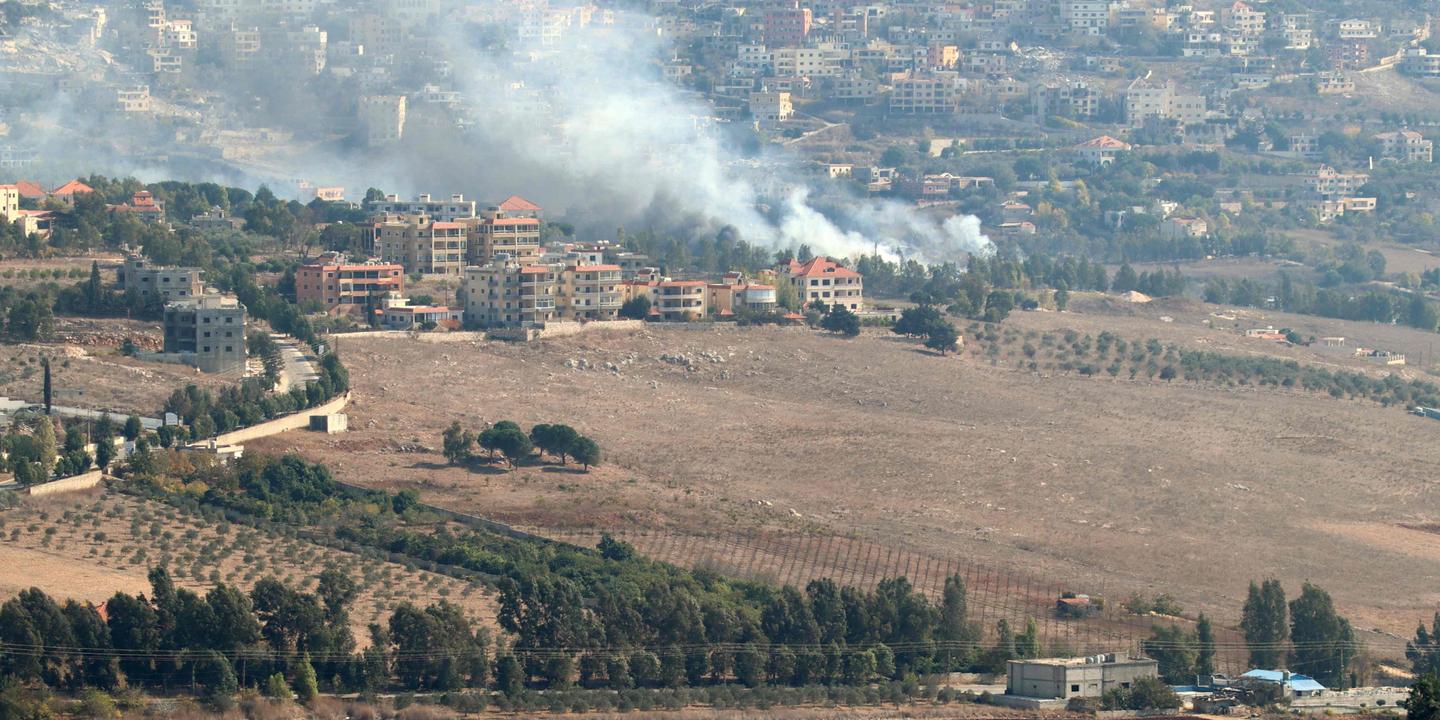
(564, 469)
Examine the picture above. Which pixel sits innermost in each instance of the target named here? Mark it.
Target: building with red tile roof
(824, 280)
(343, 287)
(66, 193)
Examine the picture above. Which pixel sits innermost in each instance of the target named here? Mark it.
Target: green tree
(514, 444)
(1265, 623)
(456, 444)
(586, 452)
(554, 439)
(306, 688)
(46, 444)
(1125, 279)
(133, 428)
(1174, 651)
(1424, 651)
(636, 308)
(1204, 646)
(509, 676)
(276, 687)
(841, 320)
(1323, 643)
(998, 305)
(1424, 700)
(943, 337)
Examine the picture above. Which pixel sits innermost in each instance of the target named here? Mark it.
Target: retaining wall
(293, 421)
(84, 481)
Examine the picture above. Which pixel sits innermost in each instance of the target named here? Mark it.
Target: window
(1074, 688)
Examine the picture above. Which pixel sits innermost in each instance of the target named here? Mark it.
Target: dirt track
(1093, 484)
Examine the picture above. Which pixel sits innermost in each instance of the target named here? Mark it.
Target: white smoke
(621, 137)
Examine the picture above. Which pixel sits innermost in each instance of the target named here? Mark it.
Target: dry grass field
(91, 545)
(1095, 485)
(105, 379)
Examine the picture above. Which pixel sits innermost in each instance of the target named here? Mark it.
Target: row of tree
(515, 445)
(205, 414)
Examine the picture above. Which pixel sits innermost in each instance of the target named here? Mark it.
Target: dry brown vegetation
(89, 546)
(105, 379)
(1095, 485)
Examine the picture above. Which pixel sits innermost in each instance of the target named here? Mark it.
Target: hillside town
(1047, 359)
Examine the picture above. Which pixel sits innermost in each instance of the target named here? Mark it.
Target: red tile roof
(597, 268)
(74, 187)
(30, 190)
(821, 267)
(534, 269)
(515, 203)
(1105, 142)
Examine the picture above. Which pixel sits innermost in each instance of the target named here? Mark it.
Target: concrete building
(734, 294)
(505, 293)
(9, 203)
(679, 300)
(771, 107)
(1065, 98)
(455, 209)
(926, 93)
(399, 314)
(824, 280)
(169, 283)
(1180, 228)
(1085, 17)
(382, 118)
(1145, 100)
(1406, 146)
(1101, 150)
(1420, 63)
(348, 288)
(207, 331)
(785, 25)
(588, 292)
(423, 245)
(511, 228)
(1331, 183)
(1085, 677)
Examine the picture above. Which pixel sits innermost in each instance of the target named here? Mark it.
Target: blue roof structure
(1297, 682)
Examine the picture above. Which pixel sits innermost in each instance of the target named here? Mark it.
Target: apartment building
(1182, 228)
(452, 210)
(1101, 150)
(787, 24)
(383, 118)
(1085, 17)
(9, 203)
(824, 280)
(505, 293)
(207, 332)
(1145, 100)
(679, 300)
(824, 61)
(1065, 98)
(511, 228)
(1420, 63)
(168, 283)
(133, 99)
(770, 107)
(347, 288)
(1406, 146)
(1239, 17)
(422, 244)
(734, 294)
(1331, 184)
(926, 93)
(589, 292)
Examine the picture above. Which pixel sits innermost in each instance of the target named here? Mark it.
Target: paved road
(9, 407)
(297, 368)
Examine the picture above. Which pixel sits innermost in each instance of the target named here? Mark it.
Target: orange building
(348, 288)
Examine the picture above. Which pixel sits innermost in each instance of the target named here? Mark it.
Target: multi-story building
(1145, 100)
(1182, 228)
(1406, 146)
(133, 99)
(824, 280)
(771, 107)
(422, 244)
(504, 293)
(168, 283)
(1420, 63)
(1348, 54)
(9, 203)
(785, 25)
(383, 118)
(1239, 17)
(1085, 17)
(1101, 150)
(734, 294)
(455, 209)
(1065, 98)
(588, 292)
(511, 228)
(207, 331)
(1330, 183)
(926, 93)
(679, 300)
(348, 288)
